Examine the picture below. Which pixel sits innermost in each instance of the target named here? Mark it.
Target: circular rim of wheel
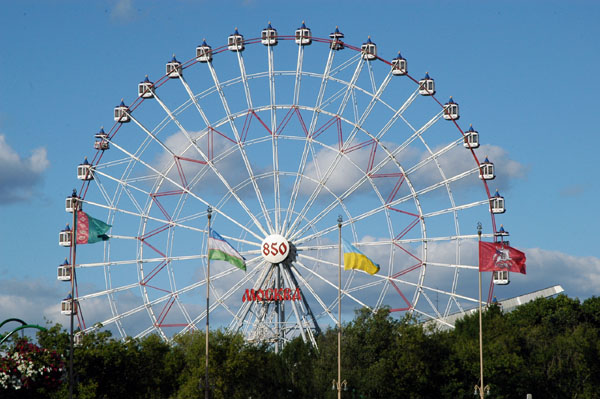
(294, 225)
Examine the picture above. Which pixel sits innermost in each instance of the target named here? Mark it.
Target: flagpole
(75, 204)
(339, 380)
(206, 387)
(481, 386)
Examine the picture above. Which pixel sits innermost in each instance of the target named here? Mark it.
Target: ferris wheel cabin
(486, 170)
(235, 41)
(101, 142)
(369, 50)
(85, 171)
(174, 69)
(399, 66)
(64, 237)
(336, 40)
(64, 271)
(500, 277)
(502, 233)
(204, 52)
(71, 202)
(451, 110)
(471, 138)
(121, 113)
(426, 86)
(497, 203)
(78, 338)
(146, 88)
(68, 306)
(303, 36)
(268, 36)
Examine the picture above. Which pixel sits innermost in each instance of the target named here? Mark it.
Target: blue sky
(524, 74)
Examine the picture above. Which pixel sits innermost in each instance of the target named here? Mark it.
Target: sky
(525, 73)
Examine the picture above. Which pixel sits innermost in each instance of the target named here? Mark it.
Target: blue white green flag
(220, 249)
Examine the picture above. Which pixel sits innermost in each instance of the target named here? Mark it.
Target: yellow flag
(354, 259)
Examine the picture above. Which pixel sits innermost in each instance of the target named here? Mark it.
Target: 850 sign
(275, 248)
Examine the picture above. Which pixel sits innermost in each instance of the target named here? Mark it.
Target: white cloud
(506, 169)
(344, 174)
(33, 301)
(227, 161)
(458, 160)
(18, 175)
(351, 168)
(123, 10)
(38, 302)
(578, 275)
(572, 190)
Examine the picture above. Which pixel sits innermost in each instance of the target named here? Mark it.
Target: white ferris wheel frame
(296, 225)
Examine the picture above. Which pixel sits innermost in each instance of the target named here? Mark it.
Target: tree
(548, 347)
(299, 358)
(107, 368)
(237, 369)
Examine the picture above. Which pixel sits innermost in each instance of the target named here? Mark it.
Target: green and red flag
(90, 230)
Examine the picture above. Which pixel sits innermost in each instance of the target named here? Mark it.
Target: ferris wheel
(277, 137)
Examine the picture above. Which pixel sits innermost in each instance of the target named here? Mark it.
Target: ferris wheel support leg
(304, 302)
(301, 320)
(280, 331)
(246, 309)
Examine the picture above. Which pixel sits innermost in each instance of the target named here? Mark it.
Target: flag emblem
(90, 230)
(496, 256)
(502, 258)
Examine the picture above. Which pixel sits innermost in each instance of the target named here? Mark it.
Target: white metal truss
(285, 149)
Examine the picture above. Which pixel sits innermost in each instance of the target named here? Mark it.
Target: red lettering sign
(272, 295)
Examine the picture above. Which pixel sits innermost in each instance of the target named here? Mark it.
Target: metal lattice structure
(280, 141)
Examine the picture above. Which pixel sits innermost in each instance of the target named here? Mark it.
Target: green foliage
(237, 369)
(299, 359)
(549, 348)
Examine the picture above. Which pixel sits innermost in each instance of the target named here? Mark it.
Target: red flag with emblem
(495, 256)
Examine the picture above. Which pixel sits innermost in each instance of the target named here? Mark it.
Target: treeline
(549, 348)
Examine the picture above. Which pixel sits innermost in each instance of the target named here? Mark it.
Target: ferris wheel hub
(275, 248)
